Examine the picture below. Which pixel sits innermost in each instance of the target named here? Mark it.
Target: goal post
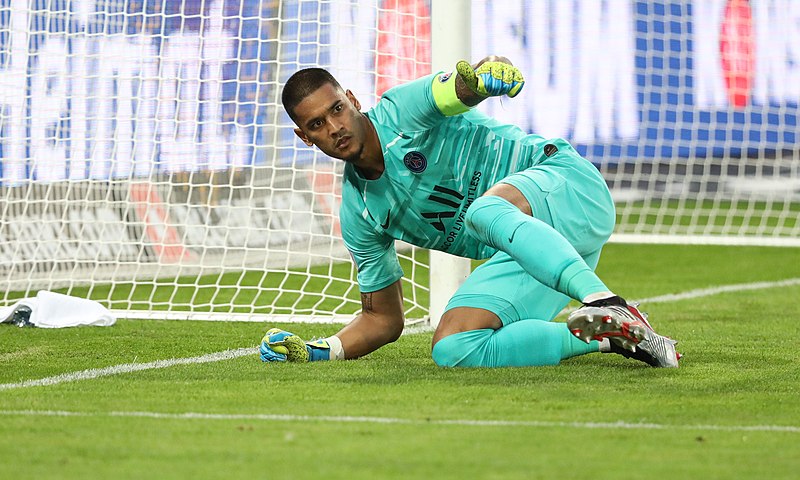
(146, 162)
(450, 34)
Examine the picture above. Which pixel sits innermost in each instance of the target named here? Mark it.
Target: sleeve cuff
(444, 94)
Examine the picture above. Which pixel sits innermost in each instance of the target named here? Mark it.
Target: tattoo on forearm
(366, 302)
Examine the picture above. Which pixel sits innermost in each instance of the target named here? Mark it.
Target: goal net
(145, 161)
(689, 108)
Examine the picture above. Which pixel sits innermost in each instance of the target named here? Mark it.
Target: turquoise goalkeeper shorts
(568, 193)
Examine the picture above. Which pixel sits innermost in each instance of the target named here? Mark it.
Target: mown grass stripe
(230, 354)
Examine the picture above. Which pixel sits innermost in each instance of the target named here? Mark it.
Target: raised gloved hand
(492, 79)
(279, 346)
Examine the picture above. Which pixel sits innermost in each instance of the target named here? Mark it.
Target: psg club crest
(416, 162)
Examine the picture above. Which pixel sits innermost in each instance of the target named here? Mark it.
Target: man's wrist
(446, 94)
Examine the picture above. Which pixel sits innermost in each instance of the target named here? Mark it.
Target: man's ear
(303, 137)
(353, 99)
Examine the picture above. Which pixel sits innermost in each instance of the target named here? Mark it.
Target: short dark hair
(302, 84)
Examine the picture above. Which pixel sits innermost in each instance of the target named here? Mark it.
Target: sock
(596, 297)
(605, 301)
(525, 343)
(543, 252)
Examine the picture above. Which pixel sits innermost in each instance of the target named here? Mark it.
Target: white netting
(690, 108)
(145, 162)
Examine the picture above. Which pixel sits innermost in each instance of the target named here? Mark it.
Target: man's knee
(460, 332)
(445, 352)
(484, 211)
(511, 194)
(463, 349)
(464, 319)
(488, 217)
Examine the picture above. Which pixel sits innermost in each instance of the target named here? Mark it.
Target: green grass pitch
(731, 411)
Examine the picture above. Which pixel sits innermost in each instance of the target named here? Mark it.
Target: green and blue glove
(492, 79)
(281, 346)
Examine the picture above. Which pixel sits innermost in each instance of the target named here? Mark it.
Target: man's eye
(338, 108)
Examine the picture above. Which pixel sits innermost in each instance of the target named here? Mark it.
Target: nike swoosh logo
(511, 239)
(386, 225)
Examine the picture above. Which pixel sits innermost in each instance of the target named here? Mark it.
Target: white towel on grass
(55, 310)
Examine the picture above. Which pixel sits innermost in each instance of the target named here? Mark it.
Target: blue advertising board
(651, 79)
(103, 90)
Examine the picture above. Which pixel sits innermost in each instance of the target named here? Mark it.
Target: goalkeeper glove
(492, 79)
(279, 346)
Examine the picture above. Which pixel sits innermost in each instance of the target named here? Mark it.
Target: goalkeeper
(422, 166)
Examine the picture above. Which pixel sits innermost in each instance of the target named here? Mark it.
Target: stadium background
(170, 105)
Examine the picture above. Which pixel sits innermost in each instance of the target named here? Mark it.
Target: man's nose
(334, 126)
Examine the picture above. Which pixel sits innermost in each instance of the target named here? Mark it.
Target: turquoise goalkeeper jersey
(435, 167)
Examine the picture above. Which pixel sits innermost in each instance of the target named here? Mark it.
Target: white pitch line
(127, 368)
(707, 292)
(710, 291)
(229, 354)
(405, 421)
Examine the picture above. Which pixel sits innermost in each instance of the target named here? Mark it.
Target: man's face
(330, 119)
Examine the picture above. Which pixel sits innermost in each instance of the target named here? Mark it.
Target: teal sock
(543, 252)
(525, 343)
